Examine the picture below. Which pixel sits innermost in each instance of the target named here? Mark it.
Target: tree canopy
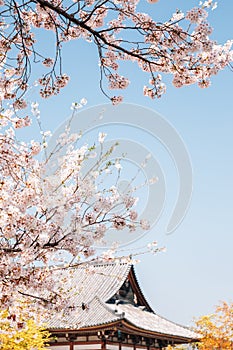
(18, 332)
(216, 330)
(181, 46)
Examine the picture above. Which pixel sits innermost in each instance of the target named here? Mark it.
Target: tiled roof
(97, 313)
(152, 322)
(86, 282)
(92, 287)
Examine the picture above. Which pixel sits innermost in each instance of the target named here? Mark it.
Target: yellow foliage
(16, 333)
(217, 329)
(177, 347)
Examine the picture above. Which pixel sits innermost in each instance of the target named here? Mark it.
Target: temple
(111, 313)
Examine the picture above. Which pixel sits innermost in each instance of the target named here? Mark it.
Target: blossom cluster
(120, 33)
(52, 211)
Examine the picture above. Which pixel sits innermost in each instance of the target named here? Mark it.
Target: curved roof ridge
(95, 263)
(152, 322)
(140, 290)
(99, 263)
(175, 323)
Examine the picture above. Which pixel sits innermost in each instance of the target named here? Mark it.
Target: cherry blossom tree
(181, 46)
(53, 211)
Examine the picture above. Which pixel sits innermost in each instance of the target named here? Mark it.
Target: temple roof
(149, 321)
(87, 281)
(91, 290)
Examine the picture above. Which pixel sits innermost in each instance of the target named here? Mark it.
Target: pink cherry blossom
(52, 213)
(120, 33)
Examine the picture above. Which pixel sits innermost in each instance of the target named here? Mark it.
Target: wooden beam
(103, 344)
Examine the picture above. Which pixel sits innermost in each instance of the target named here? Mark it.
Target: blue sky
(196, 271)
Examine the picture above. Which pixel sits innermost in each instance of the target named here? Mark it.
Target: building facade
(110, 312)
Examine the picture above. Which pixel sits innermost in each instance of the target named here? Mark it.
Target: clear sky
(196, 271)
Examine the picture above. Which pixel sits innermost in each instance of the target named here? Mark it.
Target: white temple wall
(112, 347)
(87, 347)
(59, 347)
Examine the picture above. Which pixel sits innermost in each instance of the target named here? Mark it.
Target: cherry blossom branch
(97, 34)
